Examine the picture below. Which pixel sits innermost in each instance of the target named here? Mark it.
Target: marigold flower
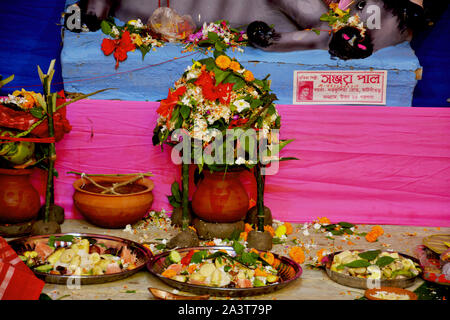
(243, 236)
(378, 230)
(248, 76)
(248, 227)
(371, 236)
(270, 230)
(324, 220)
(235, 66)
(289, 228)
(297, 254)
(268, 257)
(223, 62)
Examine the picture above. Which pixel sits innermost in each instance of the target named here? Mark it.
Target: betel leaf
(220, 75)
(209, 63)
(36, 112)
(358, 264)
(384, 261)
(213, 36)
(369, 255)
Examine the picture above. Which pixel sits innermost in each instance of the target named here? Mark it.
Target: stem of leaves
(260, 197)
(185, 199)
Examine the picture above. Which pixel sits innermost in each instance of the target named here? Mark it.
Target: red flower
(166, 106)
(237, 123)
(212, 92)
(120, 47)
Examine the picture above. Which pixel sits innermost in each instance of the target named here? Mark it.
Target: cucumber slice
(174, 256)
(44, 268)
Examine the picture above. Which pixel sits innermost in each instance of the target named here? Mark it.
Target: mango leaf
(358, 264)
(346, 225)
(175, 188)
(384, 261)
(185, 111)
(106, 27)
(369, 255)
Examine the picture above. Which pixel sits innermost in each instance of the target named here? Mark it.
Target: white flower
(306, 232)
(241, 105)
(317, 226)
(239, 161)
(128, 228)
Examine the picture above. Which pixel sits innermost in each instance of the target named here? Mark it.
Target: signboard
(340, 87)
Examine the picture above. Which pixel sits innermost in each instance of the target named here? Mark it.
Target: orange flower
(192, 268)
(324, 220)
(243, 236)
(235, 66)
(289, 228)
(270, 230)
(320, 254)
(210, 243)
(248, 227)
(371, 236)
(248, 76)
(378, 230)
(223, 62)
(297, 254)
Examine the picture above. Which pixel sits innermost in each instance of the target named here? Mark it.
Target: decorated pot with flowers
(222, 119)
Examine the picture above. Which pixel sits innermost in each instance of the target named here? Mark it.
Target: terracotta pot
(113, 211)
(220, 197)
(19, 200)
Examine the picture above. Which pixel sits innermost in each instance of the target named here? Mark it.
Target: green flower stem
(185, 195)
(50, 191)
(260, 197)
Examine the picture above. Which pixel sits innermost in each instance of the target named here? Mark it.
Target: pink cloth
(375, 165)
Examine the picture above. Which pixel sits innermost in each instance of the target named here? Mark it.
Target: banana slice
(67, 256)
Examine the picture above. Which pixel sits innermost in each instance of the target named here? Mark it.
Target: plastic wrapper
(170, 25)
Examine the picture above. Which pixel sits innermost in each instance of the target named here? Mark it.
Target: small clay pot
(220, 197)
(19, 200)
(261, 241)
(109, 210)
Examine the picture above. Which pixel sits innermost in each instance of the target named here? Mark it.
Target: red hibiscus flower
(212, 92)
(120, 47)
(237, 123)
(166, 106)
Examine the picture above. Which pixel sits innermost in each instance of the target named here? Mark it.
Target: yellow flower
(336, 10)
(223, 62)
(281, 231)
(136, 39)
(248, 76)
(235, 66)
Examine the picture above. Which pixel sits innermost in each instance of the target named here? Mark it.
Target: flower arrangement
(133, 35)
(219, 35)
(338, 18)
(214, 95)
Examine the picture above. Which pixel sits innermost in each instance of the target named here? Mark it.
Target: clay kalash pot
(19, 200)
(110, 210)
(220, 197)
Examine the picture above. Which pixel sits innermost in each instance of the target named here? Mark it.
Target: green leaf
(220, 75)
(173, 202)
(369, 255)
(36, 112)
(358, 264)
(209, 63)
(213, 36)
(106, 27)
(175, 188)
(315, 31)
(346, 225)
(199, 256)
(238, 248)
(384, 261)
(185, 111)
